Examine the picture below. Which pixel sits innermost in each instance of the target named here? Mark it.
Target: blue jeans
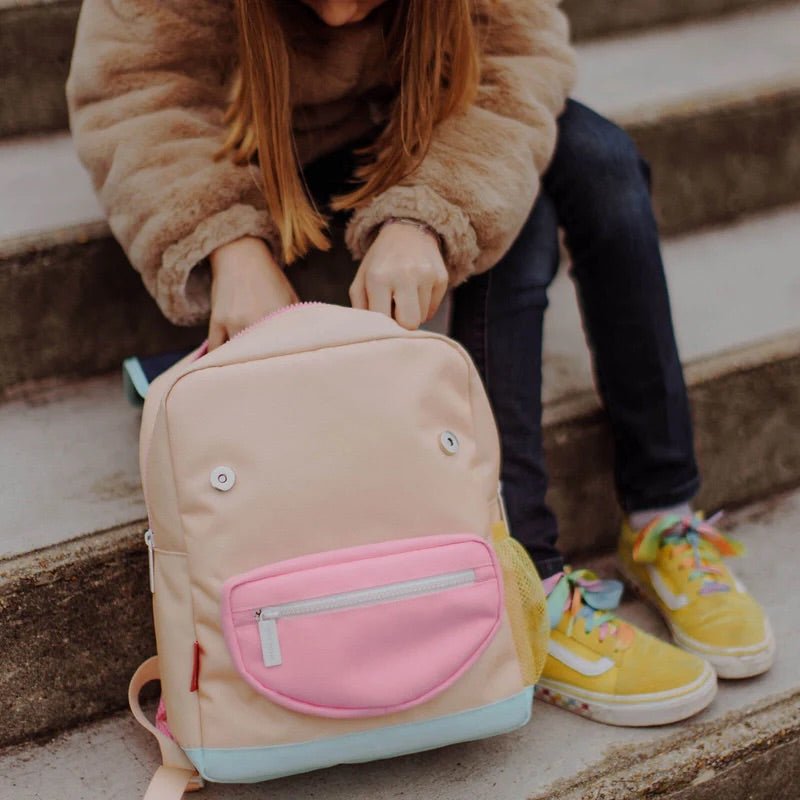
(597, 190)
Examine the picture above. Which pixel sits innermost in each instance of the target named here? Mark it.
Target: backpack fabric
(333, 580)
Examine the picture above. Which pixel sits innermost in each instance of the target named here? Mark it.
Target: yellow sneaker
(676, 564)
(607, 670)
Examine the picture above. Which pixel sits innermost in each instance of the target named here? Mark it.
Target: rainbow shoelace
(697, 544)
(582, 595)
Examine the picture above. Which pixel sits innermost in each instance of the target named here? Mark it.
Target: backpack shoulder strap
(177, 774)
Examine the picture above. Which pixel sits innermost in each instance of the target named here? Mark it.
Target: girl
(227, 139)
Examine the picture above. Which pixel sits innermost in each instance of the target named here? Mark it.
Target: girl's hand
(246, 285)
(403, 269)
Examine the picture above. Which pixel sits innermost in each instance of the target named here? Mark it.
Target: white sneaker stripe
(589, 668)
(672, 601)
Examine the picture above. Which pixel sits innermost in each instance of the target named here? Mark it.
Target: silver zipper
(269, 615)
(148, 540)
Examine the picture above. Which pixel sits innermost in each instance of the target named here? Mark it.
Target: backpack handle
(177, 774)
(170, 783)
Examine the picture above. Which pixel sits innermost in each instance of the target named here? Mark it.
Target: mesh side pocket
(525, 602)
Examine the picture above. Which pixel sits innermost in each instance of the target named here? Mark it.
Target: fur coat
(149, 84)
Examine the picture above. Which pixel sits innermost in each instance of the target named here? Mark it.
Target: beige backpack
(332, 578)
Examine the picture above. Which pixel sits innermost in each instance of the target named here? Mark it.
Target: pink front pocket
(364, 631)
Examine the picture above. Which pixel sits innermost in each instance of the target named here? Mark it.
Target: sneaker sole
(652, 709)
(730, 666)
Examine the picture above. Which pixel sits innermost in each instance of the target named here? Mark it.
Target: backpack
(333, 580)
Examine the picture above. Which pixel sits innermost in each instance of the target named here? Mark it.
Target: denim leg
(498, 317)
(600, 187)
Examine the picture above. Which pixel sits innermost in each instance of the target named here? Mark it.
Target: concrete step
(720, 130)
(745, 746)
(729, 318)
(70, 450)
(591, 19)
(36, 38)
(714, 107)
(70, 463)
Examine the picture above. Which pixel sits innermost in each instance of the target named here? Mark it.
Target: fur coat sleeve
(478, 182)
(146, 94)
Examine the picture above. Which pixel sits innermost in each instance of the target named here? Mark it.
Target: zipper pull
(148, 540)
(268, 633)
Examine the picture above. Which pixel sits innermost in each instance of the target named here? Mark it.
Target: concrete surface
(714, 107)
(631, 77)
(77, 619)
(43, 186)
(36, 43)
(599, 18)
(729, 286)
(720, 301)
(35, 48)
(72, 305)
(715, 160)
(747, 410)
(69, 462)
(752, 726)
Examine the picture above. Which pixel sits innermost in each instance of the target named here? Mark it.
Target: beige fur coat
(149, 84)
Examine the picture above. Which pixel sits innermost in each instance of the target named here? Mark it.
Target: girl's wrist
(419, 225)
(245, 252)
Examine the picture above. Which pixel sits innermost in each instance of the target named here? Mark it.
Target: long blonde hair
(433, 58)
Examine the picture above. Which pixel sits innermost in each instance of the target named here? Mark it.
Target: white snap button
(223, 478)
(449, 442)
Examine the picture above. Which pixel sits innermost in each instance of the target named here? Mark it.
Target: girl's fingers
(358, 292)
(437, 295)
(379, 298)
(424, 293)
(216, 335)
(407, 309)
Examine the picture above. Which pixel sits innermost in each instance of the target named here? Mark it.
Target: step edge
(585, 404)
(37, 241)
(779, 87)
(16, 5)
(662, 24)
(36, 567)
(682, 760)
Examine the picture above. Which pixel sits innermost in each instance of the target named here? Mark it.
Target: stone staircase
(713, 99)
